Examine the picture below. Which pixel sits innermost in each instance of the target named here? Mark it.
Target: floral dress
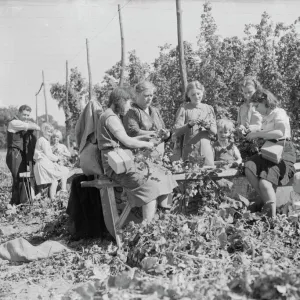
(196, 140)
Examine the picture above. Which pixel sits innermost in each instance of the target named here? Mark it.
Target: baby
(224, 148)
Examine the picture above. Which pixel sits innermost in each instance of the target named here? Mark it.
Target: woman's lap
(277, 174)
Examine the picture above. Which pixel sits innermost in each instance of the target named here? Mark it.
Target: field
(223, 252)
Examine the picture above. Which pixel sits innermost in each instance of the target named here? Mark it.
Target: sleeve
(131, 123)
(45, 147)
(161, 119)
(212, 118)
(114, 125)
(180, 127)
(17, 125)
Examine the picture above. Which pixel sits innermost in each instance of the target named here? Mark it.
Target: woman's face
(144, 99)
(47, 133)
(261, 108)
(248, 91)
(196, 96)
(125, 107)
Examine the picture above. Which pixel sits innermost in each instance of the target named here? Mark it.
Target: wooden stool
(112, 220)
(25, 179)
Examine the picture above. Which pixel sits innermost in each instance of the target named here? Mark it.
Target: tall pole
(36, 110)
(67, 99)
(89, 69)
(45, 96)
(122, 48)
(182, 64)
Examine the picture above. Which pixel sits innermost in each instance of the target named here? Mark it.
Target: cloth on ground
(20, 250)
(85, 209)
(86, 125)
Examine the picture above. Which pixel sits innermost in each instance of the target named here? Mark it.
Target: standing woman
(248, 117)
(195, 121)
(143, 119)
(263, 174)
(142, 189)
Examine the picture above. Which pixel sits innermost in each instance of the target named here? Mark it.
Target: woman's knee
(265, 185)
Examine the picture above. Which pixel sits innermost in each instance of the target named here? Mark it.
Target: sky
(41, 35)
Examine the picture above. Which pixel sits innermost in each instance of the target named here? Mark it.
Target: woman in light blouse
(263, 174)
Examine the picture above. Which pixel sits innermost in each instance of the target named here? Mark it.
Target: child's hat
(296, 182)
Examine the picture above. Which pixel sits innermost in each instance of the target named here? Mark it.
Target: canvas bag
(120, 160)
(272, 151)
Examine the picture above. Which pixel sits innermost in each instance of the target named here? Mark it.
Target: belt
(280, 140)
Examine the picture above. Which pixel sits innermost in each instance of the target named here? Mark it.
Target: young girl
(46, 169)
(248, 117)
(60, 149)
(196, 121)
(224, 148)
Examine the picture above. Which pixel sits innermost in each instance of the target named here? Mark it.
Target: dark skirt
(277, 174)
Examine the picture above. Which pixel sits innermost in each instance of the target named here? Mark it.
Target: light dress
(46, 170)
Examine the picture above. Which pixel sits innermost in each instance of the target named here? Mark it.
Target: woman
(142, 190)
(248, 117)
(196, 121)
(143, 119)
(46, 169)
(263, 174)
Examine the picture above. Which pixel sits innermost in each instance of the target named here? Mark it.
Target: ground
(222, 252)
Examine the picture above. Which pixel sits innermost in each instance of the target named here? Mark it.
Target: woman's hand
(252, 135)
(164, 134)
(152, 134)
(192, 123)
(149, 145)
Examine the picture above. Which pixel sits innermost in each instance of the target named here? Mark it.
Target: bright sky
(41, 35)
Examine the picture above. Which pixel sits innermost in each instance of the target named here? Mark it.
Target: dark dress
(140, 187)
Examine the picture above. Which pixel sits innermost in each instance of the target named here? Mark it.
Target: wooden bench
(114, 221)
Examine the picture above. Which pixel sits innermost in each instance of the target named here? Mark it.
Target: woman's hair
(251, 80)
(143, 86)
(193, 85)
(24, 107)
(119, 96)
(268, 98)
(225, 124)
(57, 133)
(45, 126)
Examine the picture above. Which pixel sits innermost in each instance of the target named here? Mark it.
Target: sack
(90, 160)
(120, 160)
(272, 151)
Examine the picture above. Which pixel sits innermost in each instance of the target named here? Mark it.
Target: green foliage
(77, 94)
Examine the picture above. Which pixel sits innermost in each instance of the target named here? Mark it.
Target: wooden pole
(36, 110)
(89, 69)
(122, 48)
(182, 64)
(67, 98)
(45, 96)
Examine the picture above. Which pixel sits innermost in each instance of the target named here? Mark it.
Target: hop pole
(122, 48)
(182, 65)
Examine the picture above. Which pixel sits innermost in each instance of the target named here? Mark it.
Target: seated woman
(248, 117)
(60, 149)
(143, 119)
(195, 121)
(142, 190)
(46, 168)
(263, 174)
(224, 148)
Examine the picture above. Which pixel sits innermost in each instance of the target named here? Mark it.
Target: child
(196, 122)
(60, 149)
(248, 118)
(224, 148)
(46, 169)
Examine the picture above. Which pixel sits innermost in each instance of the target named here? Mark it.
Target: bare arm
(237, 155)
(115, 126)
(180, 128)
